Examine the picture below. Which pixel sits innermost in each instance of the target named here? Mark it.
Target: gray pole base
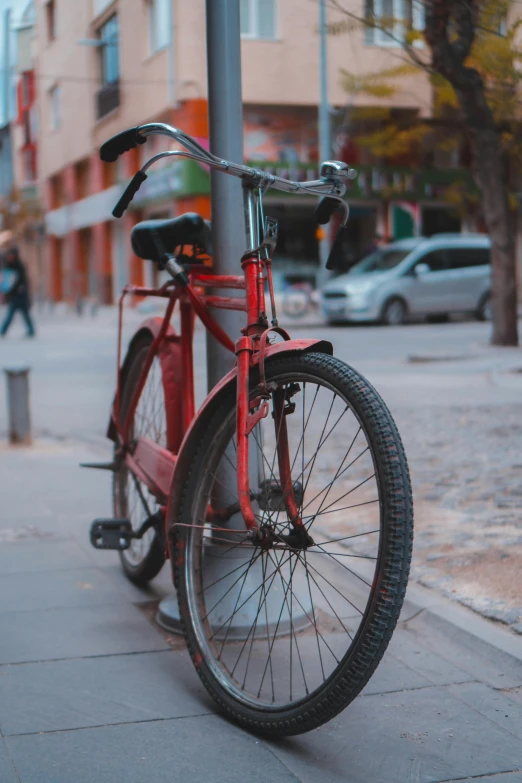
(232, 600)
(167, 617)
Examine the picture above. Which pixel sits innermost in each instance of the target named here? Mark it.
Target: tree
(474, 62)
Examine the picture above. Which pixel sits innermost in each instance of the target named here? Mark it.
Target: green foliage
(497, 56)
(378, 84)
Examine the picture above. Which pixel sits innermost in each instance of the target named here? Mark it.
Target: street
(92, 690)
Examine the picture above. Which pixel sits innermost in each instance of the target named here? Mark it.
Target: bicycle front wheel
(285, 636)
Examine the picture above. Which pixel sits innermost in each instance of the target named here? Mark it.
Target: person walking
(17, 294)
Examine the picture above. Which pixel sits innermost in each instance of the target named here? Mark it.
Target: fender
(200, 422)
(169, 354)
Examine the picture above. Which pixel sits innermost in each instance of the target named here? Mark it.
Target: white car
(446, 274)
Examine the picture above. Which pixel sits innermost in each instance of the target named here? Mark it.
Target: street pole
(230, 240)
(325, 140)
(228, 223)
(7, 66)
(226, 141)
(171, 59)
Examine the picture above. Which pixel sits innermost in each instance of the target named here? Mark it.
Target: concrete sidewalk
(92, 691)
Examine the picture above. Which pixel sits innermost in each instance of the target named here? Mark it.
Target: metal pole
(325, 141)
(18, 406)
(7, 66)
(228, 223)
(171, 59)
(226, 140)
(229, 243)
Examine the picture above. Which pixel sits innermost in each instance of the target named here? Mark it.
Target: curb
(464, 620)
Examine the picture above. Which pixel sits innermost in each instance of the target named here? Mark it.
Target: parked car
(435, 277)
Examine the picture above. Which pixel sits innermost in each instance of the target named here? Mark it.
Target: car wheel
(483, 311)
(395, 312)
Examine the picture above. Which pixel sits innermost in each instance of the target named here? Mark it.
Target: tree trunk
(488, 167)
(450, 32)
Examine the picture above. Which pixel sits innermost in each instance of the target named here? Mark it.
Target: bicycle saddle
(151, 239)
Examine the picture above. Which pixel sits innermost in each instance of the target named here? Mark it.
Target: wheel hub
(299, 539)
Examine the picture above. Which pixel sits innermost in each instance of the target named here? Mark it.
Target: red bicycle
(284, 503)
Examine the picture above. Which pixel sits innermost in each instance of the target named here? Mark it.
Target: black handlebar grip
(129, 193)
(336, 259)
(325, 209)
(122, 142)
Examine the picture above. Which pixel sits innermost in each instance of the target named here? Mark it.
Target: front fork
(245, 423)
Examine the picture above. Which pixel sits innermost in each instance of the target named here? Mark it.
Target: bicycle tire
(143, 569)
(296, 304)
(391, 568)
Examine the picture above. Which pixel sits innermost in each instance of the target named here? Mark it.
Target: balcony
(384, 183)
(107, 99)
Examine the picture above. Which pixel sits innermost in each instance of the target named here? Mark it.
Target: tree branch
(375, 25)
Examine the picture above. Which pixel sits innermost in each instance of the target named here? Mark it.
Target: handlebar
(121, 143)
(334, 174)
(325, 209)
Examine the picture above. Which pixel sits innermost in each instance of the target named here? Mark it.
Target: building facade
(101, 66)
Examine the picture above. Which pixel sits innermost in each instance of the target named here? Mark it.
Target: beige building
(104, 65)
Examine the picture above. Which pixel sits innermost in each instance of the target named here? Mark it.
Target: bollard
(18, 405)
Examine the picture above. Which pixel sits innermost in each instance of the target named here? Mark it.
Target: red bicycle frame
(154, 465)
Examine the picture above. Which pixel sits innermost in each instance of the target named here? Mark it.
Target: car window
(465, 257)
(436, 260)
(380, 261)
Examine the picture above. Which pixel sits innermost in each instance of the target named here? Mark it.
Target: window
(395, 17)
(258, 18)
(109, 50)
(466, 257)
(159, 24)
(500, 24)
(108, 96)
(50, 12)
(83, 178)
(55, 110)
(57, 192)
(436, 260)
(29, 164)
(380, 261)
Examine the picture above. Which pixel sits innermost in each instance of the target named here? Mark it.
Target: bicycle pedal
(111, 534)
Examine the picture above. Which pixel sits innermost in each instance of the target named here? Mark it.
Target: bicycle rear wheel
(131, 498)
(285, 637)
(296, 303)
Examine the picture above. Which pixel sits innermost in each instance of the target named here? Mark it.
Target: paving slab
(426, 736)
(40, 554)
(72, 694)
(492, 704)
(58, 590)
(426, 662)
(472, 654)
(503, 777)
(76, 633)
(62, 496)
(159, 587)
(393, 675)
(7, 772)
(186, 750)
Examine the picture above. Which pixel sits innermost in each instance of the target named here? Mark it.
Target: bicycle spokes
(279, 613)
